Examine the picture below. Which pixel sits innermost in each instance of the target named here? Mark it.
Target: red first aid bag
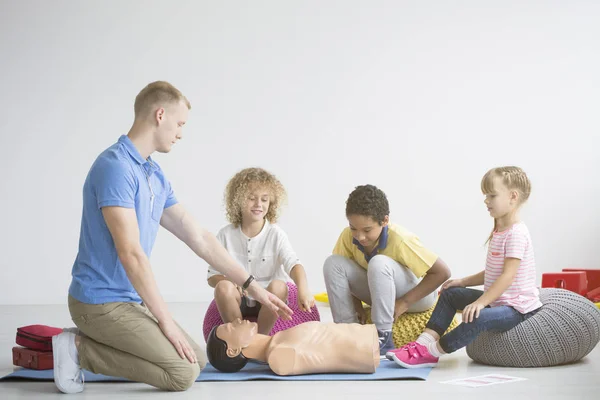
(37, 337)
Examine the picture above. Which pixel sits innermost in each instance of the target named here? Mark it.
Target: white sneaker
(68, 375)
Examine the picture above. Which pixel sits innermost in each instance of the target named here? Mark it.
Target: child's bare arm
(298, 275)
(437, 274)
(473, 280)
(503, 282)
(305, 300)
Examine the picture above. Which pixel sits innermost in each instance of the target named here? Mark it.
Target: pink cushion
(213, 318)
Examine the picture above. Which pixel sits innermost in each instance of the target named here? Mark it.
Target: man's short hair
(157, 94)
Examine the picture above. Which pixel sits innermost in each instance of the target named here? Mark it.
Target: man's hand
(269, 300)
(177, 338)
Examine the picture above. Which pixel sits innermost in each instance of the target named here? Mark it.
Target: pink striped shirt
(514, 242)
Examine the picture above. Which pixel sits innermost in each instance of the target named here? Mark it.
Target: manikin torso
(316, 347)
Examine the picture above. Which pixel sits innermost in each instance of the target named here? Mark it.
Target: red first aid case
(37, 337)
(32, 359)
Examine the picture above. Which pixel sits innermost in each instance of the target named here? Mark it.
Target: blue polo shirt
(119, 177)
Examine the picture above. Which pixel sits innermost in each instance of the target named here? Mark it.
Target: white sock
(433, 349)
(425, 338)
(73, 349)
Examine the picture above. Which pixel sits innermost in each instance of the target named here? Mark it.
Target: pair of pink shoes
(412, 355)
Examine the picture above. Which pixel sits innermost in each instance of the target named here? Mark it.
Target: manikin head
(226, 342)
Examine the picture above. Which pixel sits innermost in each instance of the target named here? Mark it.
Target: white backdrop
(418, 98)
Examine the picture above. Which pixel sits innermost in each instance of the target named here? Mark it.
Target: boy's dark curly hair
(369, 201)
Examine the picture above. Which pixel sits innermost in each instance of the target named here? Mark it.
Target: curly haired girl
(253, 199)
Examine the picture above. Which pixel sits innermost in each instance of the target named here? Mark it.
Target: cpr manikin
(308, 348)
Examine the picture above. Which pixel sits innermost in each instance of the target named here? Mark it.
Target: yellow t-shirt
(402, 246)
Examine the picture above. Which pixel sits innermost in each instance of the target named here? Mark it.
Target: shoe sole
(409, 366)
(390, 354)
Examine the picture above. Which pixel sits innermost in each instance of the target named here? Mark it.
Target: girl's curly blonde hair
(239, 187)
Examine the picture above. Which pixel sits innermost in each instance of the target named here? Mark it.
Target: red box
(573, 281)
(32, 359)
(592, 275)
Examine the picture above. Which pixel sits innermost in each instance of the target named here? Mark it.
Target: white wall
(420, 98)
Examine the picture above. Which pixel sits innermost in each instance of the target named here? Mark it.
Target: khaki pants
(124, 340)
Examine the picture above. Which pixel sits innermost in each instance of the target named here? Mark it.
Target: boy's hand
(471, 312)
(361, 314)
(306, 301)
(400, 307)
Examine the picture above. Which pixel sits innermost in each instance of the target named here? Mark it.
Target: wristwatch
(248, 282)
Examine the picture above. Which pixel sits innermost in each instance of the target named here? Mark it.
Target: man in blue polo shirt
(124, 326)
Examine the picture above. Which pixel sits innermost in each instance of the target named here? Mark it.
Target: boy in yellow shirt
(381, 264)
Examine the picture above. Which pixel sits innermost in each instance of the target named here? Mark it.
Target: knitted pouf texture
(564, 330)
(409, 326)
(212, 317)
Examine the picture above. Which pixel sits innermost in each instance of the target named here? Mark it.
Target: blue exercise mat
(387, 371)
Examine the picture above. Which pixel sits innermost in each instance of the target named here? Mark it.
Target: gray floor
(577, 381)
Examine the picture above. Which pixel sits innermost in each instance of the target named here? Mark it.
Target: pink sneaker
(414, 355)
(390, 354)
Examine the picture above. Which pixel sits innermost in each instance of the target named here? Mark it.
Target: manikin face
(237, 334)
(170, 121)
(365, 229)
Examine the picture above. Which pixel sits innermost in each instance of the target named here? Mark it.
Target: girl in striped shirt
(509, 296)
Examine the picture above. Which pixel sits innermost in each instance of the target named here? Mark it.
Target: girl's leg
(497, 319)
(450, 301)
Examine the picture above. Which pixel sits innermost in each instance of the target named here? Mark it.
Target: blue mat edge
(386, 371)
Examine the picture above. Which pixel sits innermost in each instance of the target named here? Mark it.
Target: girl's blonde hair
(239, 187)
(514, 178)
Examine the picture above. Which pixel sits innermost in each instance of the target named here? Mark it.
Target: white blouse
(268, 256)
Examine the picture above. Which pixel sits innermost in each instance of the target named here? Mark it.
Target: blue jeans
(498, 319)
